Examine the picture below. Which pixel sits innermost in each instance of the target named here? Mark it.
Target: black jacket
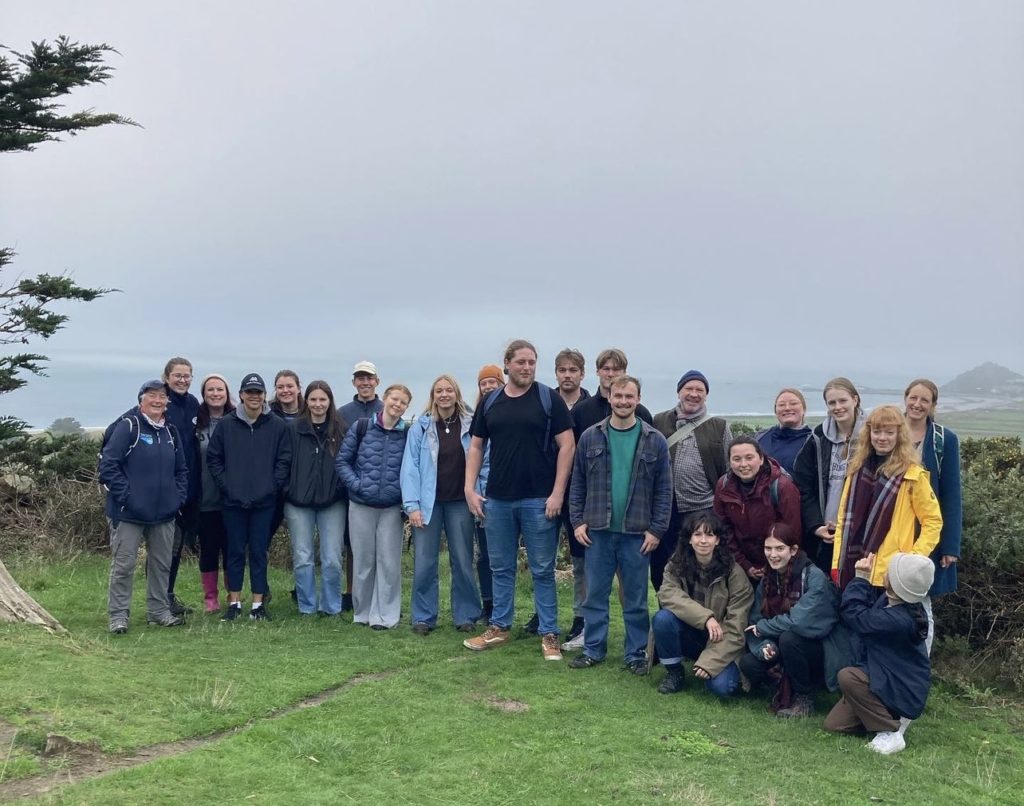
(594, 409)
(313, 481)
(250, 463)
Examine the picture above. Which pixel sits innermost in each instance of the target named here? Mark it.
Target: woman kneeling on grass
(794, 611)
(888, 686)
(370, 463)
(705, 599)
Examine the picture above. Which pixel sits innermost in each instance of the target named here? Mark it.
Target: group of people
(792, 559)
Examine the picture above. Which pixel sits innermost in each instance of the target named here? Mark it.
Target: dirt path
(85, 761)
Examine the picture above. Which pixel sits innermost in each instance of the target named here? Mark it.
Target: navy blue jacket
(889, 646)
(783, 444)
(143, 468)
(357, 409)
(945, 478)
(371, 468)
(250, 463)
(181, 413)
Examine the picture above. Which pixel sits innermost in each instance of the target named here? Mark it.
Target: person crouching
(888, 686)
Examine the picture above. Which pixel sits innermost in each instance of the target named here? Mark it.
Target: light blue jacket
(419, 465)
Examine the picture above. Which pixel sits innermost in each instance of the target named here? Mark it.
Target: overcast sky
(750, 188)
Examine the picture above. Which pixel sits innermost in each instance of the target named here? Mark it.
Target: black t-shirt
(521, 465)
(451, 463)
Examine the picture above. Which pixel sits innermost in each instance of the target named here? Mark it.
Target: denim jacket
(649, 505)
(419, 466)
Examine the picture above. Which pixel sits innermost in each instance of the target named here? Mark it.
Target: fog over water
(772, 193)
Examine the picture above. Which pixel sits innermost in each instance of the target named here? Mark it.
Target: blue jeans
(675, 640)
(608, 551)
(454, 517)
(505, 521)
(330, 523)
(248, 531)
(483, 565)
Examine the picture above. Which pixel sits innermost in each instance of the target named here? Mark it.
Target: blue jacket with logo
(143, 468)
(371, 464)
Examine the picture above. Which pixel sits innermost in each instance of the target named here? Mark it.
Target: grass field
(321, 711)
(978, 423)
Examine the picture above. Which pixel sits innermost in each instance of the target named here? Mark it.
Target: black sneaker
(531, 626)
(421, 628)
(673, 682)
(178, 608)
(346, 602)
(259, 613)
(231, 612)
(638, 666)
(576, 629)
(583, 662)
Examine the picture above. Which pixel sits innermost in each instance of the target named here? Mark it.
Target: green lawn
(426, 721)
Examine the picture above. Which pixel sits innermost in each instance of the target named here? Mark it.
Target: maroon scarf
(870, 504)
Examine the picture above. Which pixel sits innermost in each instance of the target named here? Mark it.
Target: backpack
(545, 403)
(135, 431)
(938, 440)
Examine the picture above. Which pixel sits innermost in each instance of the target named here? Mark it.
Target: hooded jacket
(370, 465)
(143, 468)
(811, 471)
(749, 519)
(250, 462)
(313, 481)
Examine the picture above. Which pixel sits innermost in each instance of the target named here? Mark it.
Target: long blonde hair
(460, 404)
(903, 454)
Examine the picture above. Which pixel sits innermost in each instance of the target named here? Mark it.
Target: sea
(95, 395)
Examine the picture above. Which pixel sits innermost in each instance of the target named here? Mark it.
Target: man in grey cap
(365, 402)
(143, 468)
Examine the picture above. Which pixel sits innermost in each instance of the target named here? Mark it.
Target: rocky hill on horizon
(987, 379)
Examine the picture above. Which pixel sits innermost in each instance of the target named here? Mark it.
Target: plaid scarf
(866, 520)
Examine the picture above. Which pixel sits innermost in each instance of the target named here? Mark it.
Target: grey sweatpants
(376, 538)
(125, 540)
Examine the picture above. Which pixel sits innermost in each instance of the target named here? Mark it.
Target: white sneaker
(573, 644)
(887, 742)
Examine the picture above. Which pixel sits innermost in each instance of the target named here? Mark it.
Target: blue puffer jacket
(371, 466)
(144, 471)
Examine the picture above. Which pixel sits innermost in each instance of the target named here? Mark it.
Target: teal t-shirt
(621, 450)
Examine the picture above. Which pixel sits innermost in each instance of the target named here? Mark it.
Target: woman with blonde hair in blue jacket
(433, 478)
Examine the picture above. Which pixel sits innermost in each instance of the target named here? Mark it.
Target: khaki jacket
(728, 599)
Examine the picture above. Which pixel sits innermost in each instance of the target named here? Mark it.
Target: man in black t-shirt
(531, 449)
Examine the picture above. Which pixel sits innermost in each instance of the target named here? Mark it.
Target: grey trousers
(125, 540)
(376, 538)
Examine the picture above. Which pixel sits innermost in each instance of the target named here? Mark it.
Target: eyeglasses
(179, 376)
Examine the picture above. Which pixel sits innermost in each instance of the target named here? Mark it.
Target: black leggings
(213, 541)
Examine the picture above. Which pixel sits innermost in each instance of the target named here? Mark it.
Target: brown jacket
(728, 599)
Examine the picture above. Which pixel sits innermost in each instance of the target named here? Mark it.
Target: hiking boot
(549, 647)
(421, 628)
(170, 620)
(673, 682)
(530, 628)
(467, 627)
(488, 639)
(178, 608)
(802, 707)
(259, 613)
(231, 612)
(573, 644)
(118, 626)
(887, 742)
(583, 662)
(346, 602)
(576, 629)
(638, 666)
